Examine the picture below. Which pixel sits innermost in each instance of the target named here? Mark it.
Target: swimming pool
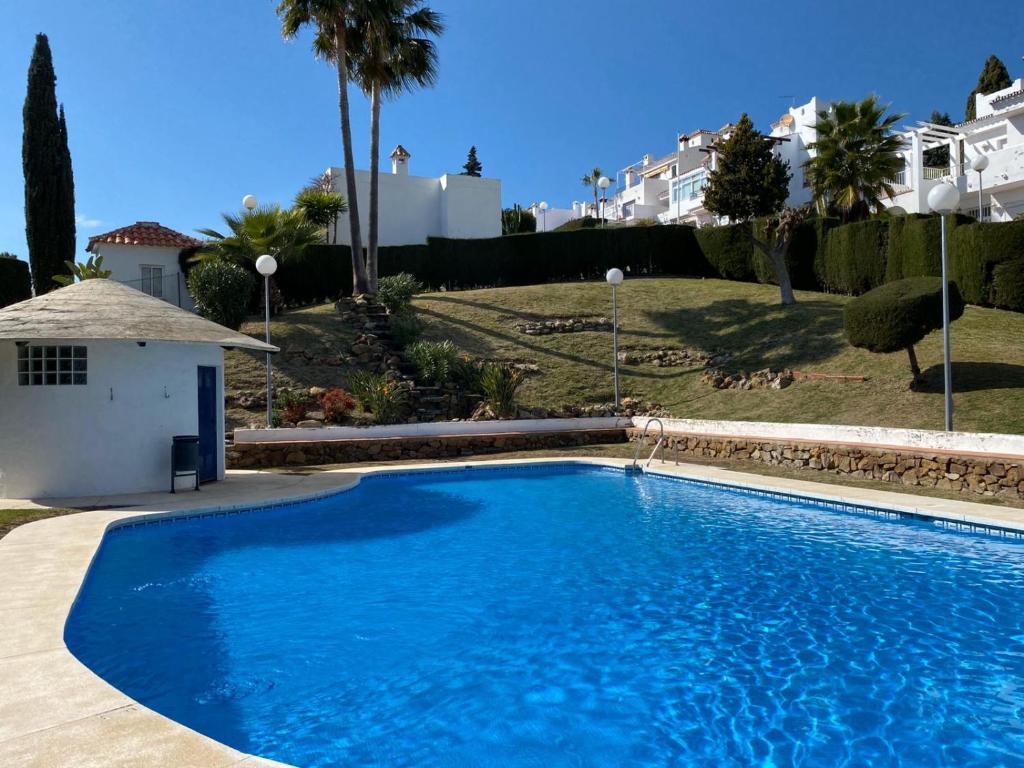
(556, 615)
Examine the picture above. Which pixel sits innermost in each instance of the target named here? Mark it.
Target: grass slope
(741, 318)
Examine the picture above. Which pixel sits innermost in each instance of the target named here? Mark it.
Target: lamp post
(266, 265)
(943, 199)
(614, 278)
(979, 164)
(603, 183)
(249, 202)
(544, 215)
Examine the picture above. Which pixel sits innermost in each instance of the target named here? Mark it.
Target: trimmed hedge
(852, 258)
(221, 291)
(15, 282)
(1008, 285)
(976, 249)
(899, 314)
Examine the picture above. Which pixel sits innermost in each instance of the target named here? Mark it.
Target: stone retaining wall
(295, 454)
(982, 475)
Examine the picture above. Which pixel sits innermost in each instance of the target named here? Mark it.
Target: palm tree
(322, 207)
(390, 52)
(284, 234)
(590, 180)
(330, 18)
(857, 156)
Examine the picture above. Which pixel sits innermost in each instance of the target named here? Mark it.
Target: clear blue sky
(176, 108)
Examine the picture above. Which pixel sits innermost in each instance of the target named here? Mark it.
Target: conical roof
(99, 309)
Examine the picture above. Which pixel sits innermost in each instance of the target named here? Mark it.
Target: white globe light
(943, 198)
(543, 206)
(266, 265)
(979, 163)
(614, 276)
(604, 182)
(249, 202)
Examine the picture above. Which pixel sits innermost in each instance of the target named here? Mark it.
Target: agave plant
(283, 233)
(92, 268)
(856, 156)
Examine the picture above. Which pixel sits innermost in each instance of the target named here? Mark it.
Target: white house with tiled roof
(146, 256)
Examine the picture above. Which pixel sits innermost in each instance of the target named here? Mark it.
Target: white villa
(670, 188)
(146, 256)
(413, 208)
(997, 134)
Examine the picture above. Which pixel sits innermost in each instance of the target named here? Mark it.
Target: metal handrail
(640, 443)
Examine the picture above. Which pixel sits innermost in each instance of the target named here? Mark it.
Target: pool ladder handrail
(640, 443)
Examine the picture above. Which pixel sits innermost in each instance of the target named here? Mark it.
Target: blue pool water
(566, 617)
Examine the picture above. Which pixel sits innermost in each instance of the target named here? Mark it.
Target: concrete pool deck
(55, 712)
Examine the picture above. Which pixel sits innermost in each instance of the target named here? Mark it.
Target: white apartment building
(413, 208)
(997, 134)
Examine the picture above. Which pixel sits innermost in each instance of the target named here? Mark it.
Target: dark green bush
(584, 222)
(728, 250)
(433, 359)
(852, 258)
(15, 283)
(1008, 285)
(396, 291)
(975, 250)
(405, 328)
(500, 382)
(899, 314)
(221, 291)
(915, 244)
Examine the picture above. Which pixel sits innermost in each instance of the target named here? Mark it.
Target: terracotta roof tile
(145, 233)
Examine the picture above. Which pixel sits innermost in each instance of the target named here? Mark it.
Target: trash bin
(184, 458)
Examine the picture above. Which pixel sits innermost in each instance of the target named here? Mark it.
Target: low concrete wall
(921, 439)
(427, 429)
(425, 447)
(970, 473)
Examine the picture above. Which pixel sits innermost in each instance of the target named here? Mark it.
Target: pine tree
(473, 167)
(46, 162)
(749, 183)
(993, 77)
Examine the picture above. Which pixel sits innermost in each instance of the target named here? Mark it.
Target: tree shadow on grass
(758, 334)
(972, 377)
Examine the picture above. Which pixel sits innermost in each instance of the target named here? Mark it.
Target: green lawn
(741, 318)
(12, 518)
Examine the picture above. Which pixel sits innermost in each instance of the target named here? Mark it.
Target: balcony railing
(932, 173)
(899, 180)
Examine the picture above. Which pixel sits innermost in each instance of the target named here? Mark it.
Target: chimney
(647, 160)
(400, 161)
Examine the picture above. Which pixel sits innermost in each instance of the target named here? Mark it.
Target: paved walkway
(55, 712)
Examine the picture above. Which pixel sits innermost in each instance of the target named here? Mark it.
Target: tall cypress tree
(993, 77)
(473, 167)
(49, 184)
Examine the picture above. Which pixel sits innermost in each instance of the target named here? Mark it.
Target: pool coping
(54, 711)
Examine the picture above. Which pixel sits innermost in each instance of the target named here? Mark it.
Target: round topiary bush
(899, 314)
(221, 291)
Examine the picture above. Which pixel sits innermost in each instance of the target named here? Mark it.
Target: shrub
(499, 383)
(852, 258)
(729, 251)
(433, 359)
(336, 404)
(221, 291)
(396, 291)
(291, 406)
(584, 222)
(405, 328)
(385, 399)
(15, 283)
(899, 314)
(976, 249)
(466, 374)
(1008, 285)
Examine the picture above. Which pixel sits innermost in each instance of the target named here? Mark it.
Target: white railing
(930, 173)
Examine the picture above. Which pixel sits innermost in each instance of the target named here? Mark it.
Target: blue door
(207, 423)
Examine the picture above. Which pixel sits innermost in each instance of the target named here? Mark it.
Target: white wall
(413, 208)
(125, 263)
(552, 218)
(112, 435)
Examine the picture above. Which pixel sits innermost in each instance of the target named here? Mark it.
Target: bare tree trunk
(359, 281)
(371, 254)
(777, 256)
(914, 367)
